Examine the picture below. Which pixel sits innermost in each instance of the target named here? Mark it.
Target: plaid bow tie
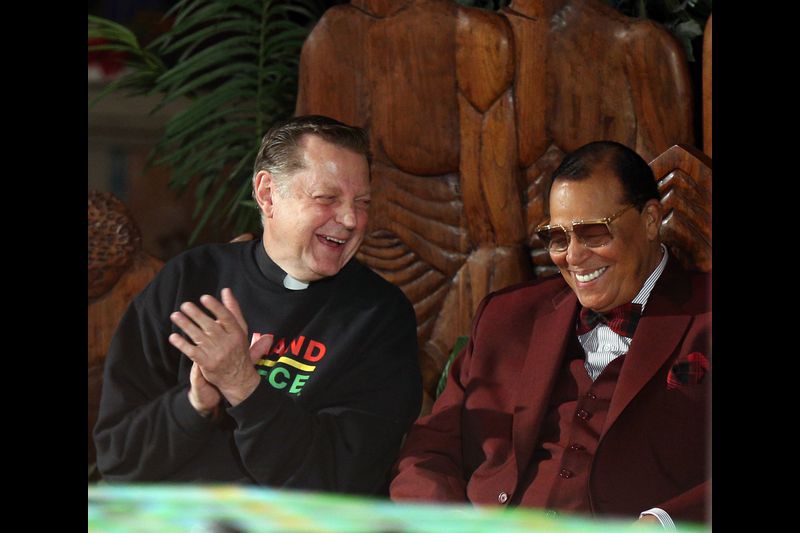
(622, 320)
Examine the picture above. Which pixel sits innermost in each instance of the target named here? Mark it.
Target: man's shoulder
(700, 290)
(214, 252)
(532, 290)
(357, 273)
(683, 291)
(198, 264)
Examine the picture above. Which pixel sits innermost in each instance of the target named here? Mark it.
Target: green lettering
(274, 383)
(297, 384)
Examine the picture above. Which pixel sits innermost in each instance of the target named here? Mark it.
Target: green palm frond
(235, 65)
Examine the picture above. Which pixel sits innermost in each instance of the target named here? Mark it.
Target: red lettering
(297, 344)
(310, 356)
(279, 348)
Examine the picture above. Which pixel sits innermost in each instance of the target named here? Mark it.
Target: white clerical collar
(274, 273)
(294, 284)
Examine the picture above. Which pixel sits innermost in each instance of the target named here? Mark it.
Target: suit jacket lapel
(659, 332)
(545, 354)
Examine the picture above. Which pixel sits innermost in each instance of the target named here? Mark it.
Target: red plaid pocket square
(688, 370)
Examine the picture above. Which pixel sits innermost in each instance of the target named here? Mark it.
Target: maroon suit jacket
(485, 426)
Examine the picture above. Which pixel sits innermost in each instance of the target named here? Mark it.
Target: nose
(346, 215)
(576, 251)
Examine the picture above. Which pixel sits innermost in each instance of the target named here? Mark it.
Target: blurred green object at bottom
(235, 508)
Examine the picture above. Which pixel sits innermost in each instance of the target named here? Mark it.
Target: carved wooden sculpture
(467, 108)
(118, 270)
(684, 182)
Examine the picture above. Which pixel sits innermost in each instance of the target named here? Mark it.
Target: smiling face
(314, 227)
(611, 275)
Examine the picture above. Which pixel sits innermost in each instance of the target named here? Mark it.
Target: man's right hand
(203, 396)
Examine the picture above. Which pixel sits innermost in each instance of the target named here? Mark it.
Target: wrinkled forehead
(332, 167)
(597, 196)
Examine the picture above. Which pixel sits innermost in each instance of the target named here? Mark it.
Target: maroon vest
(557, 477)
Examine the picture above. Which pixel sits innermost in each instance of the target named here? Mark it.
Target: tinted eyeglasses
(590, 233)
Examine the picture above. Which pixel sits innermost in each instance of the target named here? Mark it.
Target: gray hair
(279, 154)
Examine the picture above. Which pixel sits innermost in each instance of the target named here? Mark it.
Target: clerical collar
(274, 273)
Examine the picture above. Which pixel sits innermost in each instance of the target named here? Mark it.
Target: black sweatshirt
(339, 388)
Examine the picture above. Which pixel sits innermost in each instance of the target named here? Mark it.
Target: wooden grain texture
(335, 81)
(477, 214)
(707, 85)
(437, 225)
(538, 177)
(381, 8)
(413, 111)
(655, 61)
(484, 57)
(684, 176)
(106, 310)
(529, 29)
(616, 78)
(499, 175)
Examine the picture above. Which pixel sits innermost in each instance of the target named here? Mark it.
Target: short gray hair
(279, 154)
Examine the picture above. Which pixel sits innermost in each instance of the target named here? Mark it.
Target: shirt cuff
(662, 516)
(192, 422)
(262, 405)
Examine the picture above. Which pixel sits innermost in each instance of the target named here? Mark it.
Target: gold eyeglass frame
(605, 220)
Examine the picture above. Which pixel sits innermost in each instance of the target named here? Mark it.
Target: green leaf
(459, 345)
(212, 56)
(107, 29)
(110, 47)
(247, 27)
(239, 69)
(197, 13)
(238, 92)
(210, 138)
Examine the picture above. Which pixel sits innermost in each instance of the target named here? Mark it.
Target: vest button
(502, 497)
(591, 395)
(566, 474)
(577, 447)
(583, 414)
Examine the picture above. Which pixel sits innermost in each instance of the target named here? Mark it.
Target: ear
(264, 187)
(652, 215)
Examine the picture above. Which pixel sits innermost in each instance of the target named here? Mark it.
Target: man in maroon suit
(585, 393)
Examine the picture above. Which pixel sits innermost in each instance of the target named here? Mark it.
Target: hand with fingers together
(219, 350)
(203, 396)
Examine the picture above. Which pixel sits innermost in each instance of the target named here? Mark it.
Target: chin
(591, 302)
(326, 271)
